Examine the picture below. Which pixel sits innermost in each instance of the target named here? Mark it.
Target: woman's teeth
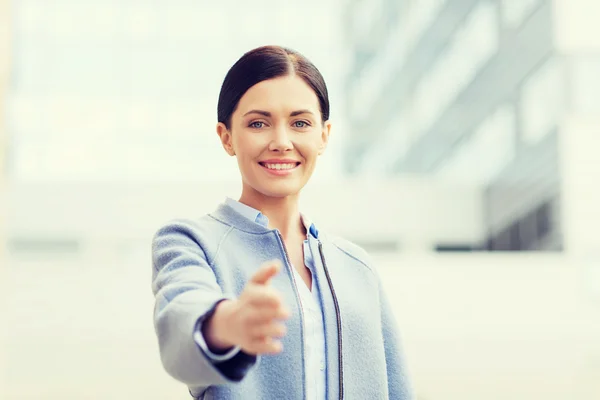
(279, 166)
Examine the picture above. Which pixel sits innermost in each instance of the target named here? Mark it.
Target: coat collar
(229, 215)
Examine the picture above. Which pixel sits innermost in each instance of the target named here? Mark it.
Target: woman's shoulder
(348, 249)
(203, 228)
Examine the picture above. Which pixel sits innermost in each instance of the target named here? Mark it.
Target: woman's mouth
(279, 168)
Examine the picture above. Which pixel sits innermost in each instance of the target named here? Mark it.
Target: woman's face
(276, 134)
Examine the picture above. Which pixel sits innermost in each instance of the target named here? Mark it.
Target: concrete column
(577, 39)
(580, 154)
(4, 70)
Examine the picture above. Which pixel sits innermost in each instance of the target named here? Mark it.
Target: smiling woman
(252, 278)
(273, 115)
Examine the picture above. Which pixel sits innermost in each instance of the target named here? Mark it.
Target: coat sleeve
(399, 386)
(186, 291)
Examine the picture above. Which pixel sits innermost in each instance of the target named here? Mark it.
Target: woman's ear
(226, 139)
(325, 136)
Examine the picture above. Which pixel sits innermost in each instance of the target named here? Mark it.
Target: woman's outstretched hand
(254, 320)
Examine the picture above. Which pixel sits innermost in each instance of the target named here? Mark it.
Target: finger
(260, 314)
(266, 272)
(270, 329)
(265, 346)
(264, 297)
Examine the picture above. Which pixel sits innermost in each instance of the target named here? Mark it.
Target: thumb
(266, 272)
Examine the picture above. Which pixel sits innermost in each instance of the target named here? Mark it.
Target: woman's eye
(300, 124)
(257, 124)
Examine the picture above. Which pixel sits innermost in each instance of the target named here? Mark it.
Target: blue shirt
(316, 365)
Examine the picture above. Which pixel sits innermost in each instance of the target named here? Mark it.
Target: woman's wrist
(214, 329)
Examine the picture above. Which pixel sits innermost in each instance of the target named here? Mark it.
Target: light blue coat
(196, 263)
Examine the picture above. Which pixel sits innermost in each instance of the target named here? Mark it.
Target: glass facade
(514, 12)
(466, 53)
(543, 100)
(473, 92)
(420, 15)
(482, 156)
(380, 158)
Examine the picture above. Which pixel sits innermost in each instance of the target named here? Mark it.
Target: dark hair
(263, 63)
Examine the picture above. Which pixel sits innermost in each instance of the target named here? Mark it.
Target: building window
(514, 12)
(365, 17)
(486, 152)
(389, 148)
(528, 232)
(374, 80)
(542, 101)
(421, 14)
(468, 51)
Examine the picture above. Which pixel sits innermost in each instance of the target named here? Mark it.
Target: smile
(279, 168)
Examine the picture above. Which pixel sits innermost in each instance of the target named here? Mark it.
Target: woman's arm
(399, 387)
(186, 290)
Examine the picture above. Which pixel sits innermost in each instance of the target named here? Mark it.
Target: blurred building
(127, 91)
(4, 70)
(114, 103)
(474, 92)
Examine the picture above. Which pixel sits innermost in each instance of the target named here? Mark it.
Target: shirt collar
(256, 216)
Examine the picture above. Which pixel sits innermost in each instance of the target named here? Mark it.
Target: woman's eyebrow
(261, 112)
(268, 114)
(299, 112)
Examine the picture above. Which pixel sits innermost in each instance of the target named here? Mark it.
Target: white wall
(498, 326)
(412, 211)
(475, 327)
(580, 144)
(577, 37)
(577, 28)
(4, 69)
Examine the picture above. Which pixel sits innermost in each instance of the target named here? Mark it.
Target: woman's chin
(280, 189)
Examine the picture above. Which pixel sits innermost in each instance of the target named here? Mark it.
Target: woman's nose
(281, 140)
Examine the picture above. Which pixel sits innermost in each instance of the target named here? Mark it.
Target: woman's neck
(283, 212)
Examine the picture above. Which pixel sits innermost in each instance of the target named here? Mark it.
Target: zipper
(339, 321)
(303, 333)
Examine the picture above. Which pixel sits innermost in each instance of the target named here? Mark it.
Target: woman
(252, 301)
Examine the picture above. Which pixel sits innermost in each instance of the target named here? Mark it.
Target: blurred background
(466, 134)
